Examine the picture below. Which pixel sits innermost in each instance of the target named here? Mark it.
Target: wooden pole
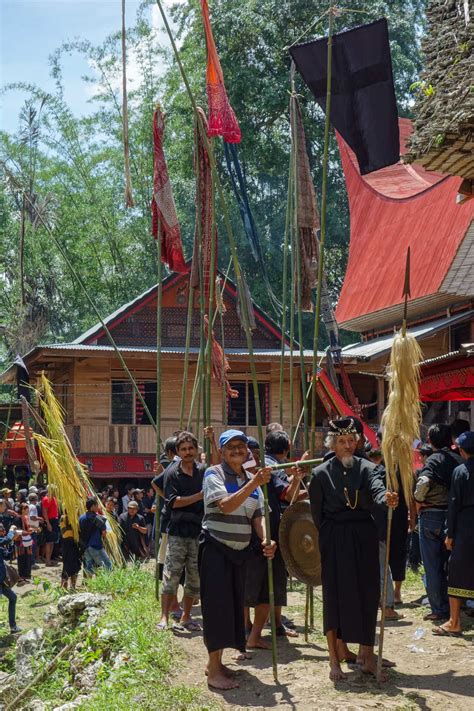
(189, 321)
(246, 324)
(159, 300)
(322, 240)
(210, 322)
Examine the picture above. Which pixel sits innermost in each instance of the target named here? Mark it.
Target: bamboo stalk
(210, 320)
(189, 319)
(384, 594)
(159, 304)
(298, 463)
(126, 146)
(283, 300)
(322, 240)
(248, 333)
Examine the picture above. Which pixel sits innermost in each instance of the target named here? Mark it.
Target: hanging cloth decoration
(219, 362)
(246, 295)
(250, 228)
(222, 120)
(363, 105)
(205, 231)
(126, 147)
(163, 210)
(308, 225)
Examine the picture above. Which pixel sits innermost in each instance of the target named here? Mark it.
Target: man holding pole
(342, 493)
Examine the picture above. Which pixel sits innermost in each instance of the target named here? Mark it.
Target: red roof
(390, 210)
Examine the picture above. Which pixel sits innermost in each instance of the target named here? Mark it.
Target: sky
(30, 30)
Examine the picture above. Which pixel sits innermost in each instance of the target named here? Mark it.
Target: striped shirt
(232, 529)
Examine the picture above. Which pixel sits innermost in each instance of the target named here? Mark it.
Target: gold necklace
(346, 494)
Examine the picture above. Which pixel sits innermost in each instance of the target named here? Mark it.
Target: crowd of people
(213, 540)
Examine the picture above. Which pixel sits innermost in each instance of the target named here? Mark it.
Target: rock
(36, 705)
(71, 607)
(27, 652)
(86, 678)
(71, 704)
(108, 634)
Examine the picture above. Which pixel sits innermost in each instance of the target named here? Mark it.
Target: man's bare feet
(369, 666)
(391, 614)
(257, 643)
(386, 663)
(336, 673)
(221, 682)
(242, 656)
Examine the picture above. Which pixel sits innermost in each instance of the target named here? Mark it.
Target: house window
(241, 410)
(127, 408)
(122, 403)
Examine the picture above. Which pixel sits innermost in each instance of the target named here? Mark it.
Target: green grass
(154, 673)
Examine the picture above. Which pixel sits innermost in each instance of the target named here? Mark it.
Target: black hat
(343, 426)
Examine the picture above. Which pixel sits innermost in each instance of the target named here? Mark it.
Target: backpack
(11, 576)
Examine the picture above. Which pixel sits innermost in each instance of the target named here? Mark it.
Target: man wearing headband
(342, 493)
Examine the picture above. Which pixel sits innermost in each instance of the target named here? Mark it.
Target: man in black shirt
(183, 501)
(134, 529)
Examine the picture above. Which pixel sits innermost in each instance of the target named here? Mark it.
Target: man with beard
(342, 493)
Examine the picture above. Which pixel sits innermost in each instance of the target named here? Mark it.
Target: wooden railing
(139, 439)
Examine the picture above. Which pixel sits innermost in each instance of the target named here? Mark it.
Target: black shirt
(148, 502)
(363, 483)
(132, 537)
(185, 521)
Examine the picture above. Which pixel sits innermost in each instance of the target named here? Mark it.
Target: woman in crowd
(71, 554)
(25, 546)
(233, 507)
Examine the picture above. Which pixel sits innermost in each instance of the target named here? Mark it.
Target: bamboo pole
(245, 318)
(210, 320)
(110, 338)
(189, 320)
(284, 299)
(159, 301)
(322, 240)
(126, 145)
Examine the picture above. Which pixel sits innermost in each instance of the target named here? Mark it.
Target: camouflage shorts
(181, 553)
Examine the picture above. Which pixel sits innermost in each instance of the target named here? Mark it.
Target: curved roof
(392, 209)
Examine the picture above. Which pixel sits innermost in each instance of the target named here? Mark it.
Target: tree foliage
(70, 168)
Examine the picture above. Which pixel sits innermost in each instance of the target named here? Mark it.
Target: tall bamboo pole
(284, 300)
(189, 320)
(245, 318)
(324, 186)
(210, 321)
(159, 301)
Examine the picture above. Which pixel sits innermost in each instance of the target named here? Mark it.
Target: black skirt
(71, 558)
(222, 573)
(461, 562)
(398, 541)
(256, 580)
(350, 576)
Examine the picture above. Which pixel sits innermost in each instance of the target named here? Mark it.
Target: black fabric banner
(363, 106)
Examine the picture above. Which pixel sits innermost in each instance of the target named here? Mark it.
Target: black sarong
(350, 576)
(71, 558)
(256, 580)
(398, 541)
(222, 573)
(461, 562)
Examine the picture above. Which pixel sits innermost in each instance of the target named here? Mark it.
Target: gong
(299, 543)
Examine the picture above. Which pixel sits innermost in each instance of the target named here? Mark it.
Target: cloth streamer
(220, 364)
(205, 230)
(363, 106)
(250, 228)
(222, 120)
(163, 210)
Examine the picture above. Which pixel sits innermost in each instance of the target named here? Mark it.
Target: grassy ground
(147, 679)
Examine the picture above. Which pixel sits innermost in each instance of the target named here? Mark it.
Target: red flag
(222, 120)
(163, 210)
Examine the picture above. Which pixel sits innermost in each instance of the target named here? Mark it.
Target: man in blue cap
(233, 509)
(460, 537)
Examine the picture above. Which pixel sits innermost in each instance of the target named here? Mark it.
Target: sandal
(433, 617)
(192, 626)
(283, 631)
(442, 632)
(161, 626)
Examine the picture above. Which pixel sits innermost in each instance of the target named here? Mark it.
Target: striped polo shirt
(232, 529)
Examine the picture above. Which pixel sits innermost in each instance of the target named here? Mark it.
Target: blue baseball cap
(466, 441)
(231, 434)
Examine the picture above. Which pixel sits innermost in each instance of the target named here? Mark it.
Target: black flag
(363, 106)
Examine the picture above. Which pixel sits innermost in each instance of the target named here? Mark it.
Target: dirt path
(433, 674)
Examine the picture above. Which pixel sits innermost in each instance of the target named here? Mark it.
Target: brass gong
(299, 543)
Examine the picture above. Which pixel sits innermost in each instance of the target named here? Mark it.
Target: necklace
(348, 501)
